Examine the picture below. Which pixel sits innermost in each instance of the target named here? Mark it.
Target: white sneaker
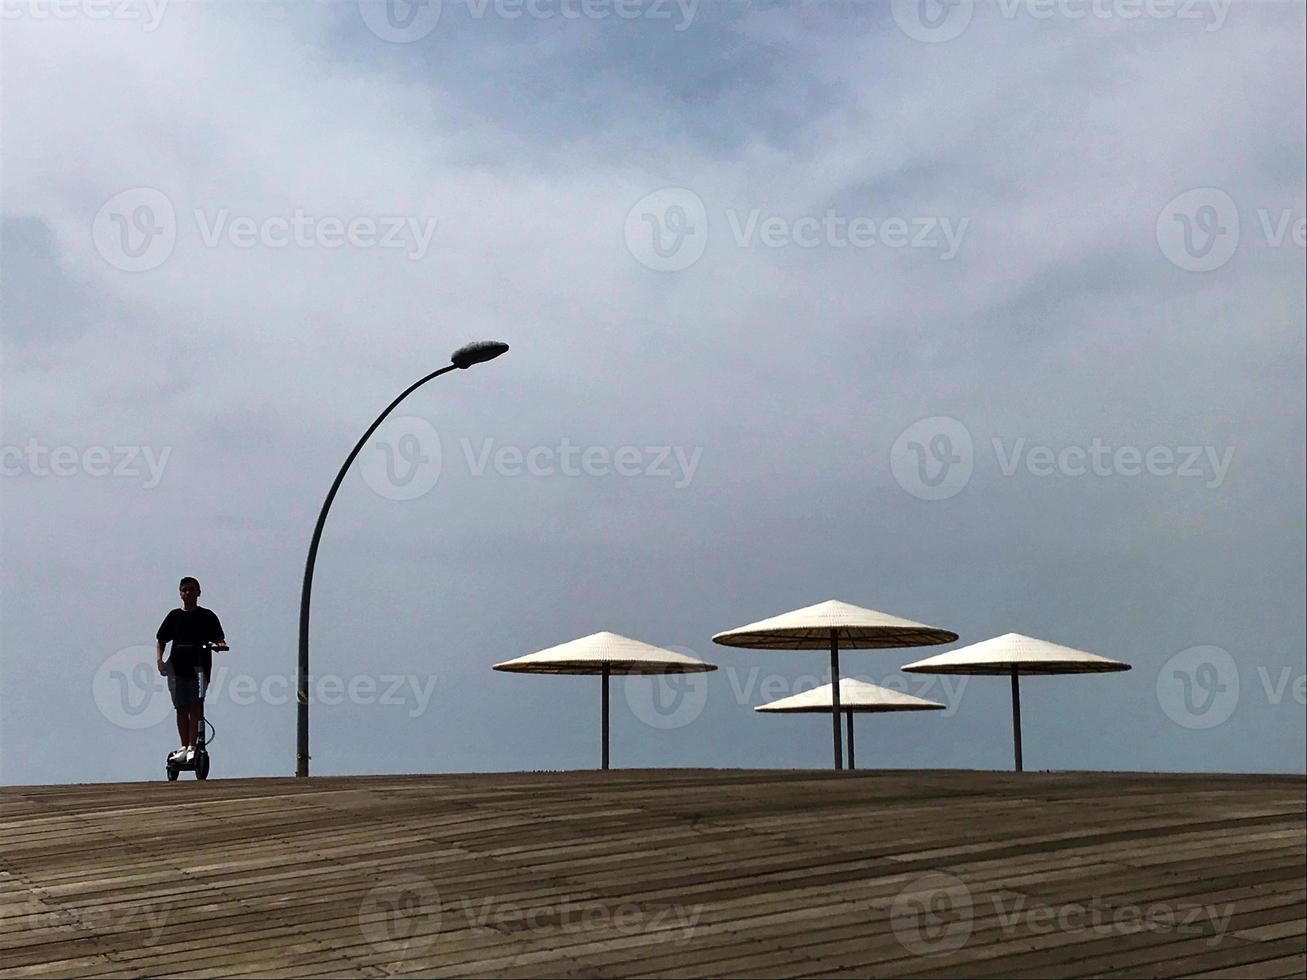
(190, 754)
(178, 755)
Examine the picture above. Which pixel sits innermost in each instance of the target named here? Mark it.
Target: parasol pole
(1016, 715)
(835, 696)
(606, 672)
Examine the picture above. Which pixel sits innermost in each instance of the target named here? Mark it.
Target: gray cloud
(792, 370)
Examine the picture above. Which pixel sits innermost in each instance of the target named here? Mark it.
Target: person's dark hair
(193, 581)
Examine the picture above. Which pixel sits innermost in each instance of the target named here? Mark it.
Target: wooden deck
(676, 873)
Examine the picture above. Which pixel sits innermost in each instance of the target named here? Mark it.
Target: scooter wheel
(202, 767)
(172, 774)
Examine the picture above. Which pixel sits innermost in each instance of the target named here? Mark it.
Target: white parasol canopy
(855, 697)
(1027, 654)
(828, 626)
(855, 628)
(605, 654)
(600, 652)
(1013, 654)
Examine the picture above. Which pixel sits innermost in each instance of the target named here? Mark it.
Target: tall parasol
(832, 625)
(605, 654)
(1013, 655)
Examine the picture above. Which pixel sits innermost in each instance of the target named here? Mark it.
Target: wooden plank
(788, 872)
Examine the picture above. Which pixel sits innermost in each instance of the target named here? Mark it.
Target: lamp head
(475, 353)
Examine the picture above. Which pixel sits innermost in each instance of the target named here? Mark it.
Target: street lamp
(462, 358)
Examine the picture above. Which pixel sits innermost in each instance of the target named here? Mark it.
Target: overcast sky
(989, 316)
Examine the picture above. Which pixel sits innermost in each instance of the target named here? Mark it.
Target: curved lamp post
(462, 358)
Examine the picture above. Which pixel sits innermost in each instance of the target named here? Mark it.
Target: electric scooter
(199, 762)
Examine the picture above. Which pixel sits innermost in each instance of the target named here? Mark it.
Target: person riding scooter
(193, 632)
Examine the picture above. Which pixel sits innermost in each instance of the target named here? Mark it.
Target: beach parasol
(832, 625)
(855, 696)
(605, 654)
(1013, 655)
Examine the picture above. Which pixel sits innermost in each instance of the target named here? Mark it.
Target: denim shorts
(185, 690)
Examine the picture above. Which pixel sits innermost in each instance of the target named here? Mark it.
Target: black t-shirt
(187, 631)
